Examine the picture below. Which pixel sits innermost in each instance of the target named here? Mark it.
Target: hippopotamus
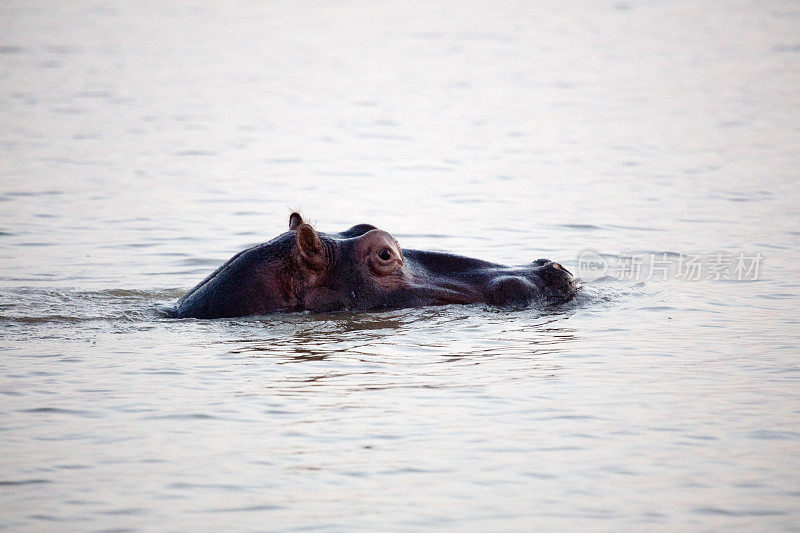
(362, 268)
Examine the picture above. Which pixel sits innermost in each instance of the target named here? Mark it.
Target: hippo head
(365, 268)
(359, 269)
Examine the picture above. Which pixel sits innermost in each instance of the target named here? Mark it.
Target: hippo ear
(295, 220)
(310, 247)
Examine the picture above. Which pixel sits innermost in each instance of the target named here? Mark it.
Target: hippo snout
(546, 281)
(550, 265)
(510, 290)
(559, 266)
(555, 281)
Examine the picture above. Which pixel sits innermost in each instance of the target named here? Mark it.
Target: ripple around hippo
(362, 268)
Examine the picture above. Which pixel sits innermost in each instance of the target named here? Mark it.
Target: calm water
(144, 144)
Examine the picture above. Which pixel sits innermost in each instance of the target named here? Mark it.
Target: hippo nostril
(559, 266)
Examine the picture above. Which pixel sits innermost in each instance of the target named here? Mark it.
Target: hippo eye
(385, 254)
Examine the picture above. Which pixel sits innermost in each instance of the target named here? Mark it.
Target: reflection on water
(444, 334)
(142, 147)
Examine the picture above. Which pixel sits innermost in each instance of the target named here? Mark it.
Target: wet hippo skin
(362, 268)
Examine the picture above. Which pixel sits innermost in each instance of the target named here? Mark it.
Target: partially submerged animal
(362, 268)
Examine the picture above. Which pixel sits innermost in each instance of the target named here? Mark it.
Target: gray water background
(145, 143)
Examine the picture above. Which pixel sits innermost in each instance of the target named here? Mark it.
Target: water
(143, 145)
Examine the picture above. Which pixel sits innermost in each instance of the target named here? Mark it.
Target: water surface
(142, 145)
